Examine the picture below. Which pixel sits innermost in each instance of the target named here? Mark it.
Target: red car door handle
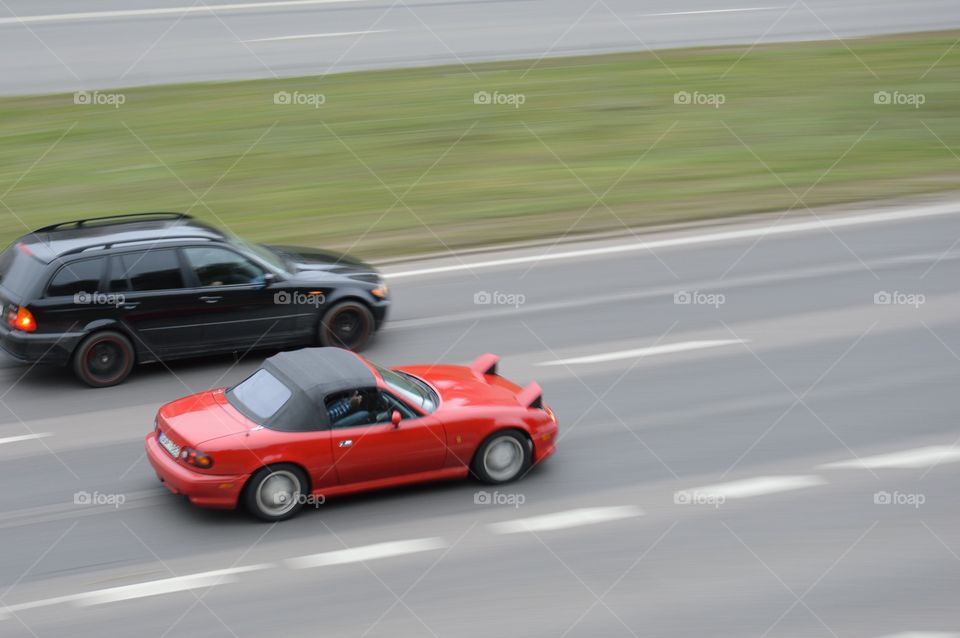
(346, 443)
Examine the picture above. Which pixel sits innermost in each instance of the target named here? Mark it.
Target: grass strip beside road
(405, 161)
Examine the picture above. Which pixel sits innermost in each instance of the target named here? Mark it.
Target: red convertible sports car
(321, 422)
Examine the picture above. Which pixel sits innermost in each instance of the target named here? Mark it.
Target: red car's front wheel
(502, 457)
(276, 493)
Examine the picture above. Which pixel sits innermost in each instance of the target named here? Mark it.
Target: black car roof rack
(129, 217)
(132, 242)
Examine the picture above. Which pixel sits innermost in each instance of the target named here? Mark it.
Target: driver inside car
(347, 409)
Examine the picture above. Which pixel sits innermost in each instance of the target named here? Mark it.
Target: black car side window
(150, 270)
(77, 278)
(216, 266)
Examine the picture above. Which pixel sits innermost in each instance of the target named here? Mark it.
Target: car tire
(348, 325)
(276, 492)
(103, 359)
(503, 457)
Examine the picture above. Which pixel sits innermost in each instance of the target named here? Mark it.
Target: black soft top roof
(312, 374)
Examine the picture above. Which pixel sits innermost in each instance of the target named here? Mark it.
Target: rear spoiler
(531, 396)
(485, 364)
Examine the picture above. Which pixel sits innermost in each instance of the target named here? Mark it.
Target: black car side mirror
(268, 278)
(395, 418)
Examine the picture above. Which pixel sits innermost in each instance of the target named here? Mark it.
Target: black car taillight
(20, 318)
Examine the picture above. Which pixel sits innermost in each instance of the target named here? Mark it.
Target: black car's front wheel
(349, 325)
(103, 359)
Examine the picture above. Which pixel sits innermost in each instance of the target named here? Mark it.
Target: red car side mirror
(395, 418)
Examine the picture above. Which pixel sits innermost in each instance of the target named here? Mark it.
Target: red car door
(381, 450)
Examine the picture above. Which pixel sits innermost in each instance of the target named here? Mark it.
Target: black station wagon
(102, 294)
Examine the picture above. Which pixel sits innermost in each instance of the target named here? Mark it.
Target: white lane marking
(746, 488)
(307, 36)
(139, 590)
(923, 634)
(136, 13)
(25, 437)
(167, 585)
(365, 553)
(906, 460)
(692, 240)
(563, 520)
(668, 348)
(707, 11)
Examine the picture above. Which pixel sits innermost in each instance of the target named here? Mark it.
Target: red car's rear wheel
(276, 493)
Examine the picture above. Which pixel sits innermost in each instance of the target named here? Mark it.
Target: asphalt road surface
(66, 45)
(758, 426)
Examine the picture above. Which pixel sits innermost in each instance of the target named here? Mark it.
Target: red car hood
(201, 417)
(460, 386)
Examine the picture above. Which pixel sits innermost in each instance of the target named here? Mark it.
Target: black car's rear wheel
(104, 359)
(276, 493)
(349, 325)
(503, 457)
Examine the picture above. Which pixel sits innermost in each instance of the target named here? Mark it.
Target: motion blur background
(799, 365)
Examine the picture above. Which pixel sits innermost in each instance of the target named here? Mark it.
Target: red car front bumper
(205, 490)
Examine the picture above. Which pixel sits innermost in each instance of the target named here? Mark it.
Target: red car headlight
(196, 458)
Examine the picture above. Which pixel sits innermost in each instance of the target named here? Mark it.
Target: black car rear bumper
(26, 347)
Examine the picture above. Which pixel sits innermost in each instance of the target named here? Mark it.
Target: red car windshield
(410, 388)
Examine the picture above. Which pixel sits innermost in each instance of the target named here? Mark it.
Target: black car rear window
(19, 270)
(147, 270)
(77, 277)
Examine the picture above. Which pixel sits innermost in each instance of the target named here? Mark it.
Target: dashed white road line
(139, 590)
(826, 223)
(708, 11)
(905, 460)
(746, 488)
(668, 348)
(308, 36)
(25, 437)
(923, 634)
(367, 552)
(137, 13)
(564, 520)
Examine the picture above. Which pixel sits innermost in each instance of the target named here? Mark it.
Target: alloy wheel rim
(278, 493)
(503, 458)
